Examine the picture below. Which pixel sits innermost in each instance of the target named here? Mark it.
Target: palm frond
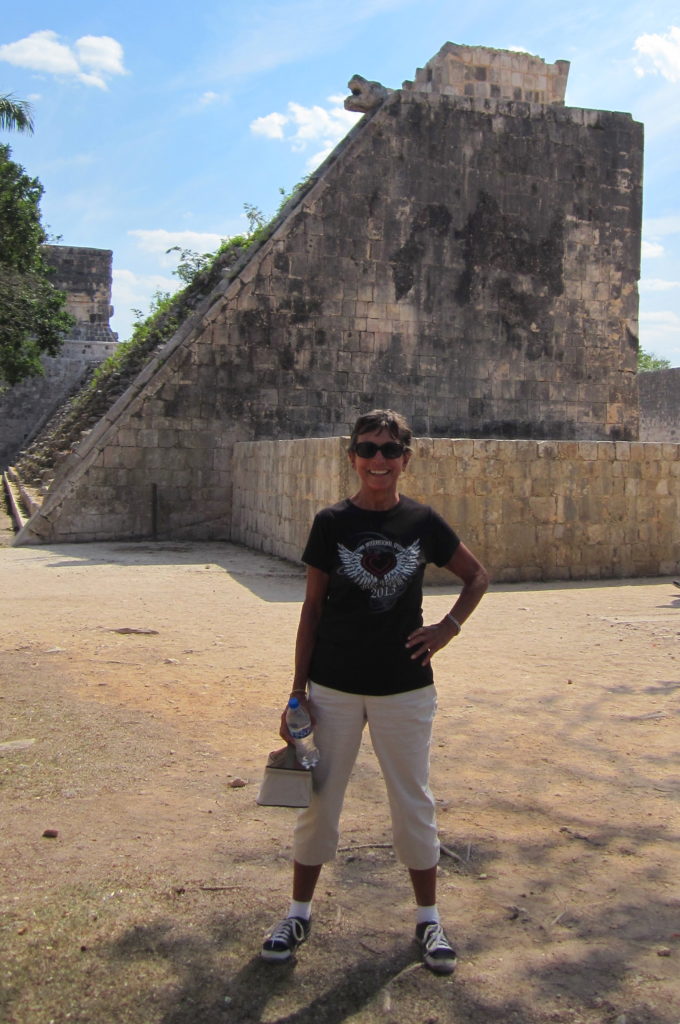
(15, 115)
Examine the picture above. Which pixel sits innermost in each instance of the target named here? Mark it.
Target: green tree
(33, 318)
(15, 115)
(648, 361)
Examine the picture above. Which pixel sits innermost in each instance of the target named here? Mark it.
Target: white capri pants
(400, 727)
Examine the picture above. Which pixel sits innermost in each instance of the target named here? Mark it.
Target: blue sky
(156, 123)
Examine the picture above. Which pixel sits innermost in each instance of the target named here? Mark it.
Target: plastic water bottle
(300, 727)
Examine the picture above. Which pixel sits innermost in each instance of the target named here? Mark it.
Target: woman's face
(378, 474)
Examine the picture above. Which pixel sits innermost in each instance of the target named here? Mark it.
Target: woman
(363, 655)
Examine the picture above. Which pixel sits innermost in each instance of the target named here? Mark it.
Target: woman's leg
(424, 886)
(305, 877)
(401, 733)
(339, 723)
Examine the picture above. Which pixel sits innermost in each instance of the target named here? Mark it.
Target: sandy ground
(139, 682)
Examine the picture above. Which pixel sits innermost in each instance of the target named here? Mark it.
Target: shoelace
(282, 931)
(434, 939)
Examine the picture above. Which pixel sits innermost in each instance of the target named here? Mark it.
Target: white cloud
(270, 126)
(95, 80)
(657, 227)
(314, 123)
(158, 241)
(207, 99)
(657, 284)
(131, 291)
(318, 158)
(41, 51)
(91, 59)
(660, 334)
(301, 126)
(135, 290)
(659, 54)
(651, 250)
(665, 318)
(101, 53)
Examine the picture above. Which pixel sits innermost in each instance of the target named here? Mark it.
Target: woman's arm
(310, 615)
(428, 639)
(475, 582)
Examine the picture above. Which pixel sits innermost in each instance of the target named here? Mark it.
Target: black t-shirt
(376, 562)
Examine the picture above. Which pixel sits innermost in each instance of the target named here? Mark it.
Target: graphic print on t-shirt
(382, 567)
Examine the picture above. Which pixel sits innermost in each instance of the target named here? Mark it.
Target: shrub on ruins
(33, 317)
(649, 361)
(191, 265)
(199, 272)
(111, 378)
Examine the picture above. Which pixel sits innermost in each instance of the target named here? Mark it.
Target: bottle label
(299, 734)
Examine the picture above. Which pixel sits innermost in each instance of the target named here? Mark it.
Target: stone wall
(280, 485)
(660, 405)
(481, 73)
(470, 262)
(531, 510)
(85, 276)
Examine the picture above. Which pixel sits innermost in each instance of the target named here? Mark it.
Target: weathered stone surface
(660, 405)
(531, 510)
(85, 275)
(481, 73)
(472, 263)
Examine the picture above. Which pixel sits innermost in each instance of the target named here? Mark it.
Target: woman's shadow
(245, 996)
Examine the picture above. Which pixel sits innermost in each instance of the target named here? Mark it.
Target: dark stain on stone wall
(433, 221)
(495, 242)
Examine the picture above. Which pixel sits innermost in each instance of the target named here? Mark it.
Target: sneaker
(438, 953)
(284, 938)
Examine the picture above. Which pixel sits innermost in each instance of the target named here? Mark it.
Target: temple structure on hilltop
(468, 254)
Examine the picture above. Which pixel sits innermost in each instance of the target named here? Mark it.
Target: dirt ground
(140, 682)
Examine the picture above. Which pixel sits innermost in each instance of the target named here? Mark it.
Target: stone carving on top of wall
(474, 73)
(480, 73)
(365, 95)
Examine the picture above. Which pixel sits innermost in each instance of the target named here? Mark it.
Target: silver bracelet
(454, 621)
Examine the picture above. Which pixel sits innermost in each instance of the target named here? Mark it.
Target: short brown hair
(378, 419)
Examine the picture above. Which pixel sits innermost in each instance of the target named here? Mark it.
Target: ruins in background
(85, 276)
(469, 255)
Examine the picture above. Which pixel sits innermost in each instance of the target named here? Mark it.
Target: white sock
(300, 909)
(427, 914)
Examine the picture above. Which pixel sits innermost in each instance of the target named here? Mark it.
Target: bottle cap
(293, 703)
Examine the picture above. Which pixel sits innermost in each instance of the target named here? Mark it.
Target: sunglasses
(389, 450)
